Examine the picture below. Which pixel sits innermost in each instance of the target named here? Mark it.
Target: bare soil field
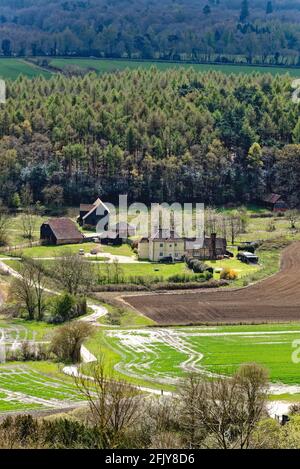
(275, 299)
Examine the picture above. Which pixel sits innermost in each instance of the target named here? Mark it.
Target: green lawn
(107, 65)
(159, 355)
(10, 69)
(56, 251)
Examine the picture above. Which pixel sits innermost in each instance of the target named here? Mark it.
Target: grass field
(12, 68)
(162, 356)
(107, 65)
(35, 385)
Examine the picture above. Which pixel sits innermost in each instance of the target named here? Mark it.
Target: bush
(228, 274)
(114, 317)
(189, 286)
(66, 307)
(28, 352)
(67, 340)
(196, 265)
(186, 278)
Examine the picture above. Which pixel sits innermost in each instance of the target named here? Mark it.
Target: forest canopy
(157, 136)
(252, 31)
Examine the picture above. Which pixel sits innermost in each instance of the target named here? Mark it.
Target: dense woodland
(265, 31)
(158, 136)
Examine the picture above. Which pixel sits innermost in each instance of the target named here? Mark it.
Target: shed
(275, 202)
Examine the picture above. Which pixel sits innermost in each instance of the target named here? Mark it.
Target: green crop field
(10, 69)
(162, 355)
(107, 65)
(28, 386)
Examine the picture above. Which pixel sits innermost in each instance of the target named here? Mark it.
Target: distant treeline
(225, 31)
(156, 136)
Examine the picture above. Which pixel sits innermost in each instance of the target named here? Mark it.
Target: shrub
(68, 339)
(28, 352)
(66, 307)
(228, 274)
(196, 265)
(189, 286)
(186, 278)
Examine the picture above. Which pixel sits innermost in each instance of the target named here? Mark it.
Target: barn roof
(64, 228)
(94, 207)
(272, 198)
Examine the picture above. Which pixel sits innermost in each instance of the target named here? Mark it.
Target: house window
(161, 245)
(161, 254)
(176, 245)
(170, 245)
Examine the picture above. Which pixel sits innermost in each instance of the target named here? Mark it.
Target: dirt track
(274, 299)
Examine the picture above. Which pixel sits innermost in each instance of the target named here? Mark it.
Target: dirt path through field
(275, 299)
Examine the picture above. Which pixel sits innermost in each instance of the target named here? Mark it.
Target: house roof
(94, 207)
(165, 235)
(64, 228)
(272, 198)
(194, 244)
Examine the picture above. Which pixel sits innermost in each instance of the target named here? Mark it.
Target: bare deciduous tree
(73, 272)
(228, 410)
(114, 405)
(29, 288)
(3, 224)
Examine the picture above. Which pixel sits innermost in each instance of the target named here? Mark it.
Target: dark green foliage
(24, 431)
(66, 307)
(174, 135)
(197, 266)
(189, 30)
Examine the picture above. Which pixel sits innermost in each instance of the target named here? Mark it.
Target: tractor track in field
(275, 299)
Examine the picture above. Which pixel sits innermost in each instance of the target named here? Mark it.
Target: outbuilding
(60, 231)
(247, 257)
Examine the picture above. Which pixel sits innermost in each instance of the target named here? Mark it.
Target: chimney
(213, 245)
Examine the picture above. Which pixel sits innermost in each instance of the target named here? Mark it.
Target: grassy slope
(10, 69)
(107, 65)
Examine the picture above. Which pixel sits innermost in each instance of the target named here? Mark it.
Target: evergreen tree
(244, 10)
(269, 8)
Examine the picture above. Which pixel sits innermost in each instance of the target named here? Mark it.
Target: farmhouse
(209, 248)
(60, 231)
(275, 203)
(91, 214)
(164, 244)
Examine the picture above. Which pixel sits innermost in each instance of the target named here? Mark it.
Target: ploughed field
(275, 299)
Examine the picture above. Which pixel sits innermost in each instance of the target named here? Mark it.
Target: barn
(59, 231)
(91, 214)
(275, 203)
